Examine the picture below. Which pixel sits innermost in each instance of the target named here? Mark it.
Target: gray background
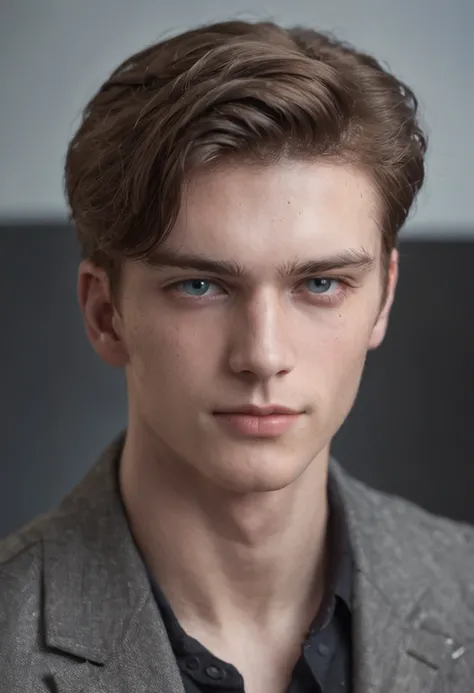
(410, 431)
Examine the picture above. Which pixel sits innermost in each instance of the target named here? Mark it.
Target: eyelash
(320, 298)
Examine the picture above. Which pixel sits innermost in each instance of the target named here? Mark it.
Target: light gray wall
(55, 53)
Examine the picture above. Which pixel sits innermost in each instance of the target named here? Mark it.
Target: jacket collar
(99, 606)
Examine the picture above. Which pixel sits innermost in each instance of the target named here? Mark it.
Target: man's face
(200, 342)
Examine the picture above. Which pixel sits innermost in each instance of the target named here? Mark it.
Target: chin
(257, 473)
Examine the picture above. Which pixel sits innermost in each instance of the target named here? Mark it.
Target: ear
(101, 319)
(380, 327)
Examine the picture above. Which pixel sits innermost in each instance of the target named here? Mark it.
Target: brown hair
(234, 90)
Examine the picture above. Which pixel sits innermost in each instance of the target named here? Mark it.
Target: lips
(251, 421)
(253, 410)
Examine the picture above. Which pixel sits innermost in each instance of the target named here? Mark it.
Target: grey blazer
(77, 615)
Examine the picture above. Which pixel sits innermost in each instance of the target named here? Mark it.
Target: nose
(262, 341)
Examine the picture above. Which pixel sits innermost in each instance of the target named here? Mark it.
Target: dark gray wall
(411, 431)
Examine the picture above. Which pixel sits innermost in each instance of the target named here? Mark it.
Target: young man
(237, 191)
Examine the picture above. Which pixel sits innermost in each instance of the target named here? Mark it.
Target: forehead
(262, 215)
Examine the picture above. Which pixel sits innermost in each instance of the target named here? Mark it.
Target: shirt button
(323, 650)
(192, 663)
(215, 673)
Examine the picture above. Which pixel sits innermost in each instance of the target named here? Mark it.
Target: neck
(221, 557)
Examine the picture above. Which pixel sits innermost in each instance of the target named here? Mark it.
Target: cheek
(338, 354)
(167, 355)
(336, 361)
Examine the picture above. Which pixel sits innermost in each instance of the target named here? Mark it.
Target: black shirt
(325, 663)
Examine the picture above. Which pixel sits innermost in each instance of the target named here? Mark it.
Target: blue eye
(197, 287)
(321, 285)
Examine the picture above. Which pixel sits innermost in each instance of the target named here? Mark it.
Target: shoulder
(394, 534)
(414, 554)
(387, 520)
(20, 557)
(21, 565)
(414, 525)
(23, 539)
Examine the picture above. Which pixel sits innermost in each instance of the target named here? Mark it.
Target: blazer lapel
(389, 655)
(98, 608)
(398, 643)
(142, 663)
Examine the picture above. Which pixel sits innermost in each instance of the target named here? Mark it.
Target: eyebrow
(351, 258)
